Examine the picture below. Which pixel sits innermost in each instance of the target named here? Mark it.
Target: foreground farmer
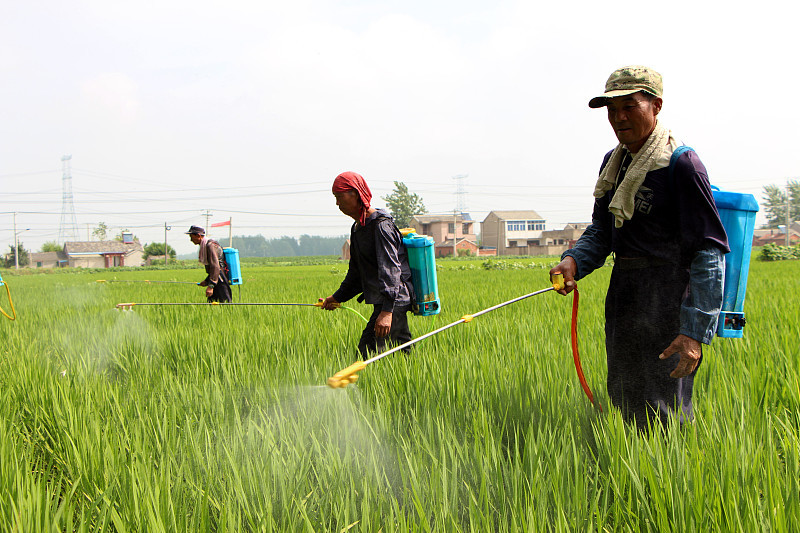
(665, 292)
(216, 282)
(378, 267)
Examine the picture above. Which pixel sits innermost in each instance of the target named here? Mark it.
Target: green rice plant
(217, 419)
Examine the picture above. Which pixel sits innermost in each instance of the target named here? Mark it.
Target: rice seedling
(217, 419)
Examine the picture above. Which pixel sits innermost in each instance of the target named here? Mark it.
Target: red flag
(218, 224)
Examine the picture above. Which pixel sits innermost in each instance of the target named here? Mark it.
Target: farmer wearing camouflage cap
(656, 213)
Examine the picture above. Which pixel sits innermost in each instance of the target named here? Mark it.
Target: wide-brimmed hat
(196, 230)
(629, 80)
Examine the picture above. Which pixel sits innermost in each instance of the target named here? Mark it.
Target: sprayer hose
(575, 356)
(11, 302)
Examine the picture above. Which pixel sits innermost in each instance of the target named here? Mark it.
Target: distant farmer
(216, 283)
(378, 269)
(663, 228)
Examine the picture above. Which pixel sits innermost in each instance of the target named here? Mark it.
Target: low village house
(92, 254)
(525, 233)
(502, 233)
(449, 232)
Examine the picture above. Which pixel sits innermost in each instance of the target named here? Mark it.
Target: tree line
(259, 246)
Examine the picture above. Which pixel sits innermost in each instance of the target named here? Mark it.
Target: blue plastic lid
(734, 200)
(417, 241)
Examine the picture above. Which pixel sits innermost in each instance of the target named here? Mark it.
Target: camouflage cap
(629, 80)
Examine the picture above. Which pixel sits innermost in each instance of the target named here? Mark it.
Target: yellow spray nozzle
(558, 281)
(344, 377)
(101, 281)
(126, 307)
(467, 318)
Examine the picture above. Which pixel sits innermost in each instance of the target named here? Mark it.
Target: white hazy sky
(250, 108)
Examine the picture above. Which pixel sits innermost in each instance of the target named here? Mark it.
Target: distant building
(104, 254)
(444, 229)
(511, 232)
(525, 233)
(777, 236)
(346, 250)
(47, 260)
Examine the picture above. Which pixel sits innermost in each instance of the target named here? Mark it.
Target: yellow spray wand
(129, 306)
(349, 375)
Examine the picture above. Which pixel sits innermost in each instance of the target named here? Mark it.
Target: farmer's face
(195, 238)
(633, 118)
(349, 203)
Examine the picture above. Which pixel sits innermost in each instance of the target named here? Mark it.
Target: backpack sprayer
(129, 306)
(349, 375)
(10, 301)
(737, 212)
(422, 260)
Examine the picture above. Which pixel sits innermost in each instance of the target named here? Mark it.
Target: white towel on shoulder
(650, 157)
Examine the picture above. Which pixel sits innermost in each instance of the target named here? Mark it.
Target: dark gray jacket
(379, 268)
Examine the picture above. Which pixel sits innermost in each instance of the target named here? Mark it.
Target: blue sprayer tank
(1, 280)
(232, 259)
(738, 214)
(422, 259)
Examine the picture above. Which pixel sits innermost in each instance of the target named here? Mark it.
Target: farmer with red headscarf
(378, 269)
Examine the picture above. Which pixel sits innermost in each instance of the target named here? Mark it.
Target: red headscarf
(348, 181)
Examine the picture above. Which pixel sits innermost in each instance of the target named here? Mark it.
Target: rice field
(217, 419)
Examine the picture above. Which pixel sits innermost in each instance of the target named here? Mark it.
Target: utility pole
(68, 228)
(16, 244)
(166, 250)
(208, 215)
(230, 232)
(461, 193)
(788, 206)
(455, 227)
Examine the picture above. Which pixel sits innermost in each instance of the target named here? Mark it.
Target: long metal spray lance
(143, 281)
(129, 306)
(349, 375)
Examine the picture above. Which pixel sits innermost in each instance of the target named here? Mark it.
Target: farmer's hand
(568, 268)
(209, 292)
(330, 303)
(383, 324)
(689, 349)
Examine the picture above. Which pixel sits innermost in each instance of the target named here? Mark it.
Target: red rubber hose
(575, 356)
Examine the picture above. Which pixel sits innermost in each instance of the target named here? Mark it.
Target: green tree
(23, 256)
(403, 205)
(157, 248)
(100, 232)
(51, 246)
(774, 203)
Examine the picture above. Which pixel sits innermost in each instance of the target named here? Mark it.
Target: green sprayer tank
(422, 259)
